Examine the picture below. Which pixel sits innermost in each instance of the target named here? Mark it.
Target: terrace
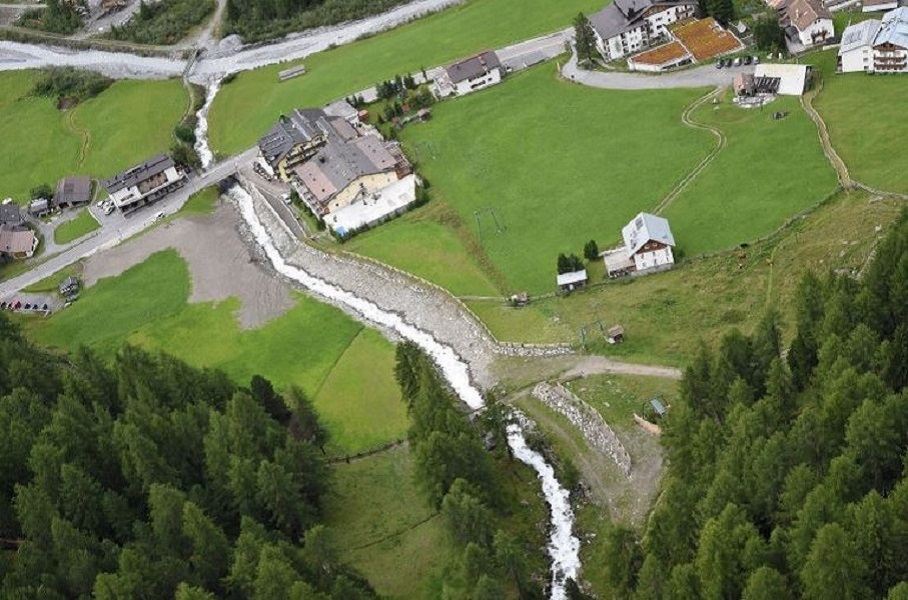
(705, 38)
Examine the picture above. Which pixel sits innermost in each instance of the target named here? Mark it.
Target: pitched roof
(73, 190)
(622, 15)
(17, 242)
(472, 67)
(10, 213)
(139, 173)
(300, 127)
(858, 35)
(645, 228)
(894, 28)
(803, 13)
(572, 277)
(337, 165)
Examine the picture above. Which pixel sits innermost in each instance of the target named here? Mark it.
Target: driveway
(698, 77)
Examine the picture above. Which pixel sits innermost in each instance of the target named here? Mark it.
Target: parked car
(159, 216)
(756, 59)
(748, 60)
(737, 62)
(109, 208)
(719, 64)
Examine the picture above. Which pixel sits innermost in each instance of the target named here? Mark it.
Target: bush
(42, 191)
(184, 134)
(165, 22)
(67, 82)
(55, 17)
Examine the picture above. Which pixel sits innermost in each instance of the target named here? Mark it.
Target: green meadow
(126, 124)
(537, 166)
(346, 370)
(73, 229)
(865, 117)
(769, 171)
(248, 106)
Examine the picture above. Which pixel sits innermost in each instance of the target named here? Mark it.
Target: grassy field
(751, 187)
(559, 164)
(127, 123)
(470, 27)
(385, 528)
(433, 232)
(201, 203)
(308, 346)
(665, 315)
(83, 224)
(868, 142)
(382, 522)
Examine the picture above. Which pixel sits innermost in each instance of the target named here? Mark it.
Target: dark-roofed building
(10, 215)
(468, 75)
(343, 171)
(294, 139)
(627, 26)
(72, 191)
(144, 183)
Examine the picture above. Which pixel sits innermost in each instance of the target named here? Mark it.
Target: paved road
(528, 53)
(705, 76)
(117, 227)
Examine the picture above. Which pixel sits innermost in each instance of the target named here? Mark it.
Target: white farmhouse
(648, 243)
(890, 48)
(876, 46)
(468, 75)
(856, 51)
(807, 22)
(626, 26)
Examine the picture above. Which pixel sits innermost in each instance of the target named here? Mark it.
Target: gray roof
(10, 214)
(622, 15)
(475, 66)
(344, 163)
(73, 190)
(138, 173)
(572, 277)
(342, 109)
(645, 228)
(299, 128)
(39, 205)
(859, 34)
(894, 29)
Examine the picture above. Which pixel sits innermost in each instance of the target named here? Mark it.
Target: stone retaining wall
(588, 420)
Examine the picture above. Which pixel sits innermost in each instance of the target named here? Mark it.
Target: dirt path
(220, 264)
(722, 141)
(832, 156)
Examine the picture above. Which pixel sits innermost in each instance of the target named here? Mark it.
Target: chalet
(18, 243)
(627, 26)
(568, 282)
(10, 215)
(806, 22)
(72, 191)
(468, 75)
(856, 49)
(294, 139)
(648, 243)
(144, 183)
(342, 171)
(890, 47)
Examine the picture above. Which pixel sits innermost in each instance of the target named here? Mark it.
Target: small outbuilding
(568, 282)
(40, 208)
(615, 334)
(744, 85)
